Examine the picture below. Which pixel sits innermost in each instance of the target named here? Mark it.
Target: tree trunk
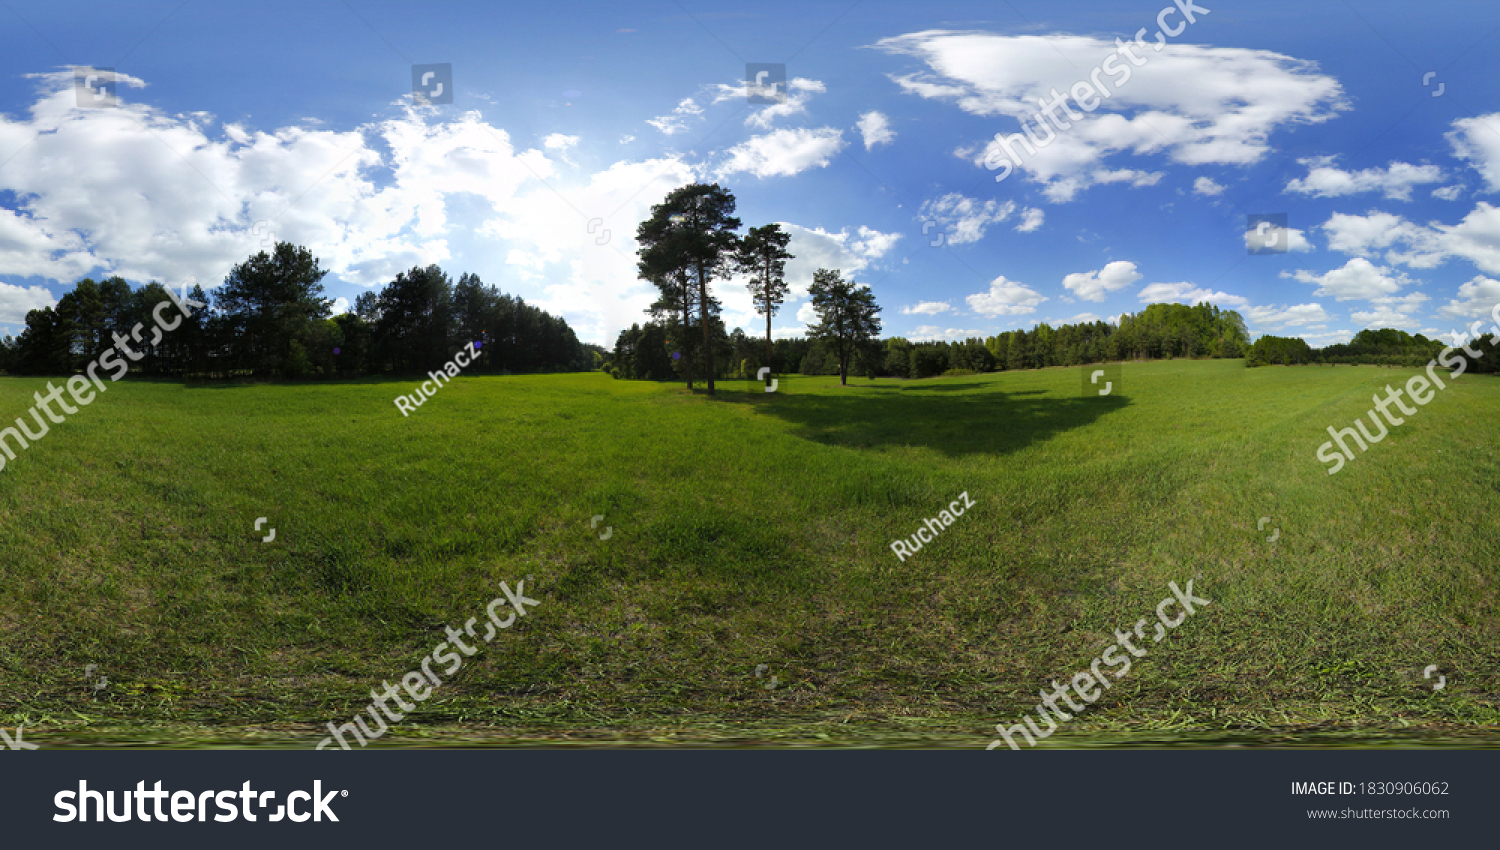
(768, 334)
(687, 322)
(766, 282)
(708, 352)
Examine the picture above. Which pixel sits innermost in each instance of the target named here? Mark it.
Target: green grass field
(754, 529)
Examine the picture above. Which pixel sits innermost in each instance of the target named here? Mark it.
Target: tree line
(1157, 332)
(270, 320)
(1374, 347)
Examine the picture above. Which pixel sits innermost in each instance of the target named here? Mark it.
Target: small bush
(959, 373)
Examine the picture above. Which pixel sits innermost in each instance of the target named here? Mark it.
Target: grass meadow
(754, 529)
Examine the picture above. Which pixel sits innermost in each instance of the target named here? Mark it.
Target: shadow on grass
(988, 422)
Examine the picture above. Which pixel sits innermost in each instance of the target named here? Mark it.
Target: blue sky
(568, 121)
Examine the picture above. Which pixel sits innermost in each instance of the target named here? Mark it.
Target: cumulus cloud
(17, 301)
(560, 143)
(1031, 219)
(1357, 279)
(1390, 311)
(876, 129)
(1189, 102)
(783, 153)
(1094, 285)
(1475, 141)
(1396, 180)
(676, 120)
(1362, 234)
(1205, 186)
(1475, 299)
(1476, 238)
(1276, 318)
(1188, 293)
(1005, 298)
(927, 308)
(1448, 193)
(1296, 240)
(370, 201)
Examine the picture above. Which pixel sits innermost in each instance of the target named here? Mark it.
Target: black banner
(743, 798)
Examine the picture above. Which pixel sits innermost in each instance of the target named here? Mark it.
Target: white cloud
(927, 308)
(876, 129)
(1131, 176)
(1296, 240)
(1205, 186)
(1005, 298)
(1476, 299)
(798, 92)
(1448, 193)
(560, 143)
(676, 120)
(543, 240)
(1362, 234)
(933, 333)
(626, 139)
(1031, 219)
(1476, 238)
(16, 302)
(1395, 181)
(341, 306)
(1477, 141)
(1081, 318)
(1356, 279)
(1095, 285)
(1188, 293)
(965, 219)
(783, 153)
(370, 201)
(1190, 102)
(1390, 311)
(1277, 318)
(1327, 338)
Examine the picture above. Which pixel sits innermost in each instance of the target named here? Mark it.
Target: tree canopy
(271, 320)
(848, 317)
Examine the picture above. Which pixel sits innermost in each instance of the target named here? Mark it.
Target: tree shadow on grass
(989, 422)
